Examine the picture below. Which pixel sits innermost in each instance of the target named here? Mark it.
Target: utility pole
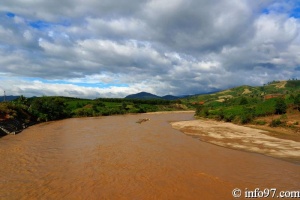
(4, 96)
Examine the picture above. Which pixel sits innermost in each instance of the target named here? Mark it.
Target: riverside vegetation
(245, 104)
(41, 109)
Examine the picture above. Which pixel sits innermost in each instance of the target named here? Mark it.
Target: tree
(22, 100)
(49, 108)
(280, 106)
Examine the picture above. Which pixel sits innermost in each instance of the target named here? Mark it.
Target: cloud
(114, 48)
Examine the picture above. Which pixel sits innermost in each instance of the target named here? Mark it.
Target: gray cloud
(183, 47)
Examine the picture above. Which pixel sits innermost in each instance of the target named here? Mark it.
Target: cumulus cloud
(114, 48)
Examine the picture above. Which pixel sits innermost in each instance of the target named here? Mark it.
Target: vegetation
(245, 103)
(41, 109)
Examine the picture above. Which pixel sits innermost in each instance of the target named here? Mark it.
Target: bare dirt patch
(241, 138)
(246, 91)
(281, 84)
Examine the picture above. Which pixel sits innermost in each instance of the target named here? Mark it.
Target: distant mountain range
(146, 95)
(8, 98)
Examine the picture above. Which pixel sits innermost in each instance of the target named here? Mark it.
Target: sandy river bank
(116, 158)
(241, 138)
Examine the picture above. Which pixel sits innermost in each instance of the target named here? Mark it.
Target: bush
(243, 101)
(280, 106)
(276, 123)
(265, 108)
(49, 108)
(229, 117)
(246, 118)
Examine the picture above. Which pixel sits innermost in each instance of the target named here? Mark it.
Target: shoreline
(244, 138)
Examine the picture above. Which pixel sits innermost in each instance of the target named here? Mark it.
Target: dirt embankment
(242, 138)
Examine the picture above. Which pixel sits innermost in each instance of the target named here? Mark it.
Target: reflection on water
(117, 158)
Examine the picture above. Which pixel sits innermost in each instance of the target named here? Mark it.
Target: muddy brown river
(116, 158)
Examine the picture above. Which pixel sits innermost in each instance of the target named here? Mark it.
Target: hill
(275, 88)
(146, 95)
(276, 104)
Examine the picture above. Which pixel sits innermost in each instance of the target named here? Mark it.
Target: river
(116, 158)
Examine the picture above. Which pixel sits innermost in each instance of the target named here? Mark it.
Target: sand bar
(241, 138)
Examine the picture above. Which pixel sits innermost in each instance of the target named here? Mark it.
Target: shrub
(280, 106)
(246, 118)
(49, 108)
(243, 101)
(229, 117)
(276, 123)
(265, 108)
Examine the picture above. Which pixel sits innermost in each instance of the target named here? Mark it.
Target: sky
(113, 48)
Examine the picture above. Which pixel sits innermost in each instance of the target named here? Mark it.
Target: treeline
(41, 109)
(245, 109)
(113, 106)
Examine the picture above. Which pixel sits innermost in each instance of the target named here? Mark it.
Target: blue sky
(113, 48)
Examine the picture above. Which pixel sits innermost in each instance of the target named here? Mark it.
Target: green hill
(258, 92)
(244, 104)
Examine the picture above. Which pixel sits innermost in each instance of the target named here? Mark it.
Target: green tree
(280, 106)
(22, 100)
(49, 108)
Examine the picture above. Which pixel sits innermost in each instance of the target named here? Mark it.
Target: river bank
(243, 138)
(12, 126)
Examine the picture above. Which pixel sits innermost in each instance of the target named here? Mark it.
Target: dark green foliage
(293, 83)
(265, 108)
(48, 108)
(202, 111)
(280, 106)
(247, 115)
(243, 101)
(21, 100)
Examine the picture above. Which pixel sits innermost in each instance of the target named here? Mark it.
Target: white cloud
(182, 47)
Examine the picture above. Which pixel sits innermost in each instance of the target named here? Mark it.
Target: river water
(116, 158)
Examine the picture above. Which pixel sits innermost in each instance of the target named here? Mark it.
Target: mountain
(8, 98)
(146, 95)
(169, 97)
(142, 95)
